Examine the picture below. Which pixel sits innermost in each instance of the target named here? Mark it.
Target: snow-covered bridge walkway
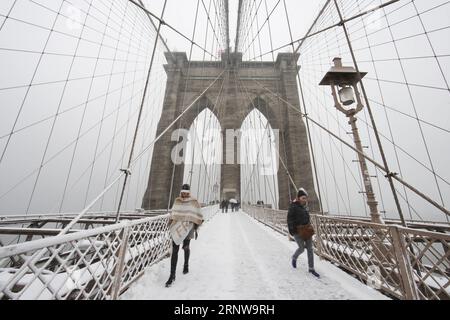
(237, 258)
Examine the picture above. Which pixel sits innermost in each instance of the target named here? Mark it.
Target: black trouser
(174, 258)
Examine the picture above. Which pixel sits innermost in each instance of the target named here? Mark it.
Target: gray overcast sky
(181, 15)
(386, 87)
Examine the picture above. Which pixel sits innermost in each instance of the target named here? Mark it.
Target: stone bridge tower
(187, 80)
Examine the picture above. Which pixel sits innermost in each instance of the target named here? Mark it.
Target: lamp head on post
(346, 78)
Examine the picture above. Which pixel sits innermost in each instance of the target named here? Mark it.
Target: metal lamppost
(344, 86)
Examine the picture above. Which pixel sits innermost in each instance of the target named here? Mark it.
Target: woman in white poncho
(185, 218)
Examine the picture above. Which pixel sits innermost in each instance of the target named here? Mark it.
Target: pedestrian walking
(185, 218)
(300, 228)
(223, 205)
(233, 202)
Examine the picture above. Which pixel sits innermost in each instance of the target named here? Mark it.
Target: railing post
(406, 271)
(316, 224)
(120, 263)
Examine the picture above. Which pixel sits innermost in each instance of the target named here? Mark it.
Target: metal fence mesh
(404, 263)
(98, 263)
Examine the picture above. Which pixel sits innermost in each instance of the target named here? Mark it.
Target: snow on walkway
(237, 258)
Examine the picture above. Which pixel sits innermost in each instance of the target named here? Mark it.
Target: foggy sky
(121, 35)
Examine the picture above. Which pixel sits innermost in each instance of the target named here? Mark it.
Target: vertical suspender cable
(372, 119)
(308, 131)
(130, 159)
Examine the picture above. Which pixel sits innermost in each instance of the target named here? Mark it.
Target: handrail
(99, 263)
(403, 262)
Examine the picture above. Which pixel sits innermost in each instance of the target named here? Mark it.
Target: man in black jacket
(298, 215)
(222, 205)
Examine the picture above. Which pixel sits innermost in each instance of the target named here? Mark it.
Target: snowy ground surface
(237, 258)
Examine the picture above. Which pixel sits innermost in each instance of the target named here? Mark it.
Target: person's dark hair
(186, 187)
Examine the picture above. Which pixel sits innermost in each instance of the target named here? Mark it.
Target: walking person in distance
(223, 204)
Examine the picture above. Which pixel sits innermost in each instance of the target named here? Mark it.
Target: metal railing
(99, 263)
(404, 263)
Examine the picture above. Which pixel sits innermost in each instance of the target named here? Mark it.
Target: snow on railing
(209, 212)
(403, 262)
(98, 263)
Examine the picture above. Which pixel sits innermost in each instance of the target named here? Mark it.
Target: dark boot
(173, 264)
(294, 263)
(314, 273)
(187, 252)
(170, 281)
(186, 260)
